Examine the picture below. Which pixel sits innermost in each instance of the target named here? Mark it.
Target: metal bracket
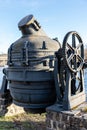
(25, 53)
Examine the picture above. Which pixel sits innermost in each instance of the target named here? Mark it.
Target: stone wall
(62, 120)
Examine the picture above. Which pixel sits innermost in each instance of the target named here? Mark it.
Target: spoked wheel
(73, 51)
(72, 58)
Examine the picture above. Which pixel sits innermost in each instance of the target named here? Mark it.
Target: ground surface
(18, 118)
(25, 121)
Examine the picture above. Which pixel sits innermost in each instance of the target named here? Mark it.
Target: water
(85, 78)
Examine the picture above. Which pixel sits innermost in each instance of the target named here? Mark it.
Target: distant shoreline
(3, 60)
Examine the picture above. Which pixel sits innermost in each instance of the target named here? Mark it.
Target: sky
(56, 17)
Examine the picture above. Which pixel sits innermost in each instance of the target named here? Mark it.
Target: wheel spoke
(70, 58)
(75, 62)
(79, 45)
(73, 41)
(70, 47)
(79, 58)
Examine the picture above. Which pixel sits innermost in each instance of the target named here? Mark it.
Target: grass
(25, 121)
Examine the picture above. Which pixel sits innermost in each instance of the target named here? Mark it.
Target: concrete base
(74, 101)
(59, 119)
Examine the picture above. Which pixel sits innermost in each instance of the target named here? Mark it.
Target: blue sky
(56, 17)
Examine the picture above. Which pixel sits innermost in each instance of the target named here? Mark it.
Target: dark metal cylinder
(31, 66)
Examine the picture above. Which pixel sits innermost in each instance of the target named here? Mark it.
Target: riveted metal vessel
(31, 65)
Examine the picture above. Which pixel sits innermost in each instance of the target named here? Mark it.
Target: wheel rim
(74, 52)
